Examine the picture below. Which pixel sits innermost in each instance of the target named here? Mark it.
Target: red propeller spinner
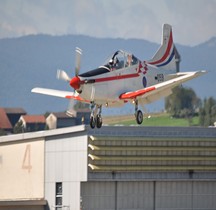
(75, 82)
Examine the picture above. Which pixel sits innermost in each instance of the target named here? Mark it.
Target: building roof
(4, 121)
(14, 110)
(42, 134)
(64, 115)
(61, 115)
(34, 118)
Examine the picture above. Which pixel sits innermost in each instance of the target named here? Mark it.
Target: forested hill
(32, 61)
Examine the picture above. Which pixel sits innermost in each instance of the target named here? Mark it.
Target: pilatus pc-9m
(123, 78)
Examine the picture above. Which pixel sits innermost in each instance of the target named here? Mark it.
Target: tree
(18, 128)
(46, 114)
(207, 113)
(183, 103)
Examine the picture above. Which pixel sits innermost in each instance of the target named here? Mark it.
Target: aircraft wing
(163, 89)
(58, 93)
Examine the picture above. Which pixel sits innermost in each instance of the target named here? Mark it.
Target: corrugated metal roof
(4, 121)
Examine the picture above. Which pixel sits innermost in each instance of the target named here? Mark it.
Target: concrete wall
(66, 162)
(22, 170)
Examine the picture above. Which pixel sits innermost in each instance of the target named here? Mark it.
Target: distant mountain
(32, 61)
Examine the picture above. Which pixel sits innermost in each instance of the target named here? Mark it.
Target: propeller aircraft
(124, 78)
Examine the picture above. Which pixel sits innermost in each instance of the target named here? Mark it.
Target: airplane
(124, 78)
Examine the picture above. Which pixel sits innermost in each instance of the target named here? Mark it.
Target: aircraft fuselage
(108, 85)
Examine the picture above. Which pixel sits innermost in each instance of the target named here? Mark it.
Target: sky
(193, 21)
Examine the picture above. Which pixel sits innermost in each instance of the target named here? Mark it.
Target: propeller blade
(63, 75)
(77, 60)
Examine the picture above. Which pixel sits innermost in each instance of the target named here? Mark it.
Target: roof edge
(42, 134)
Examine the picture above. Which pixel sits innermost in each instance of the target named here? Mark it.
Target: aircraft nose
(75, 83)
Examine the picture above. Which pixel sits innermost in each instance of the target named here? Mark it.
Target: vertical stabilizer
(167, 56)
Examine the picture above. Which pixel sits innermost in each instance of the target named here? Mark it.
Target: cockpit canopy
(120, 59)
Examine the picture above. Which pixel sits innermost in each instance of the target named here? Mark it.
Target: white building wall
(66, 162)
(22, 170)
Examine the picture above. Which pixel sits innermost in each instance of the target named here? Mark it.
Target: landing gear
(139, 117)
(95, 118)
(99, 121)
(92, 122)
(138, 114)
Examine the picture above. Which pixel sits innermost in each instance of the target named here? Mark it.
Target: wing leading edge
(58, 93)
(152, 93)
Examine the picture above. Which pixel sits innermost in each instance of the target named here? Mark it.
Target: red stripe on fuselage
(166, 53)
(127, 76)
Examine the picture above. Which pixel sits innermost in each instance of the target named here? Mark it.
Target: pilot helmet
(111, 61)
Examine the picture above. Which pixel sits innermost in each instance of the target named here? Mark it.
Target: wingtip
(202, 72)
(33, 90)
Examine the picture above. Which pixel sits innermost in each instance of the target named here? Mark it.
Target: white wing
(51, 92)
(152, 93)
(59, 93)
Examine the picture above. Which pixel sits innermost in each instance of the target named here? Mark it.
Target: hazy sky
(193, 21)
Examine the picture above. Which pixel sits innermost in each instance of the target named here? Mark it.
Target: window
(58, 202)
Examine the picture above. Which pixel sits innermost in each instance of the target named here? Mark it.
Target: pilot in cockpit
(113, 63)
(129, 60)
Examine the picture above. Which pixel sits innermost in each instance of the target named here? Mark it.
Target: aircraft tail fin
(167, 56)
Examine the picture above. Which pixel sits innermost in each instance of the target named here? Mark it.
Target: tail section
(167, 56)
